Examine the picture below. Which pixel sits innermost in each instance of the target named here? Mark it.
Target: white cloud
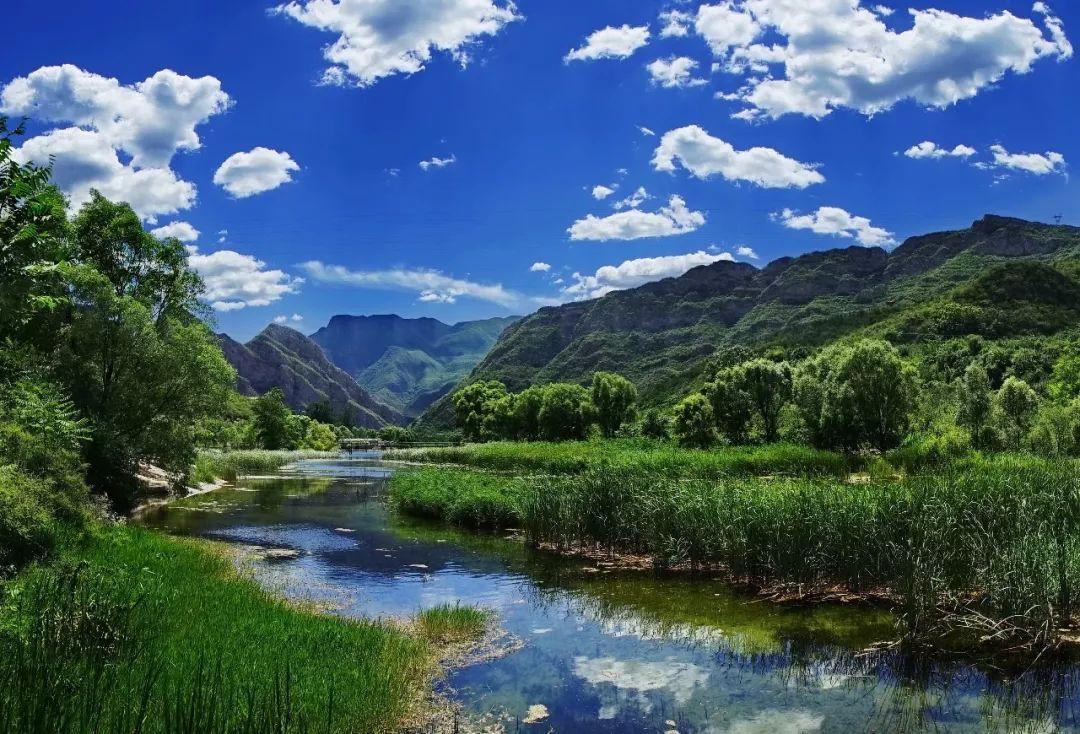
(258, 170)
(831, 220)
(235, 281)
(838, 54)
(430, 285)
(182, 231)
(633, 224)
(539, 267)
(149, 122)
(633, 273)
(437, 162)
(280, 319)
(601, 192)
(725, 27)
(747, 252)
(295, 318)
(633, 201)
(381, 38)
(84, 160)
(705, 156)
(611, 43)
(679, 679)
(647, 132)
(674, 72)
(928, 149)
(1039, 164)
(676, 23)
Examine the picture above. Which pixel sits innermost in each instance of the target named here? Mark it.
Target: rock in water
(535, 714)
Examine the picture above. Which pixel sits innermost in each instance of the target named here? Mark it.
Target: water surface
(606, 651)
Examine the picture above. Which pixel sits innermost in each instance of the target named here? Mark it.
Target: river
(608, 651)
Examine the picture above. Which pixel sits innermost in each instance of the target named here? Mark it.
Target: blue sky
(781, 126)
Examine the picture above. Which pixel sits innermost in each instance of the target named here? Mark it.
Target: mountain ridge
(663, 334)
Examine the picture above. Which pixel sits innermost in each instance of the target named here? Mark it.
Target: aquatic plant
(229, 465)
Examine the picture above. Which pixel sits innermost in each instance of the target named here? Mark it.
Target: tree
(1056, 431)
(976, 404)
(274, 425)
(473, 406)
(655, 425)
(1017, 404)
(527, 404)
(614, 397)
(730, 406)
(1065, 380)
(566, 412)
(808, 395)
(695, 426)
(33, 241)
(767, 386)
(869, 397)
(319, 437)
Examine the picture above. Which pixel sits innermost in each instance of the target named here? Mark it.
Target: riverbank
(128, 630)
(985, 552)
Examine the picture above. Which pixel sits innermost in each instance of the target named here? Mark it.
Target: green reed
(230, 465)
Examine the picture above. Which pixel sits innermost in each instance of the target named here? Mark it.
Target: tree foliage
(614, 397)
(695, 426)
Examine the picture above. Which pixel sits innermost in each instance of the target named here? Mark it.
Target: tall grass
(134, 632)
(448, 624)
(230, 465)
(641, 455)
(993, 545)
(461, 497)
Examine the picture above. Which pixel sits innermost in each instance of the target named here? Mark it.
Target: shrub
(28, 527)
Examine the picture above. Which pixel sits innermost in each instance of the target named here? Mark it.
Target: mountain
(285, 358)
(1000, 277)
(407, 363)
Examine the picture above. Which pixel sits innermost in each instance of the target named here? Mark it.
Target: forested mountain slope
(285, 358)
(999, 278)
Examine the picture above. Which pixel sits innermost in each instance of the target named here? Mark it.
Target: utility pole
(1057, 218)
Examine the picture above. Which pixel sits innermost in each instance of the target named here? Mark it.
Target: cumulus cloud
(601, 192)
(676, 23)
(182, 231)
(437, 162)
(258, 170)
(674, 72)
(295, 318)
(1039, 164)
(928, 149)
(633, 224)
(84, 160)
(149, 122)
(235, 281)
(539, 267)
(431, 286)
(611, 43)
(747, 252)
(831, 220)
(632, 273)
(380, 38)
(705, 156)
(836, 54)
(636, 199)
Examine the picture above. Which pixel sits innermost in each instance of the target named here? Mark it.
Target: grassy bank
(638, 455)
(131, 631)
(229, 465)
(997, 538)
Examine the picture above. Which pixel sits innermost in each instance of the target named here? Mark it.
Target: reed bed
(451, 624)
(639, 455)
(988, 546)
(135, 632)
(230, 465)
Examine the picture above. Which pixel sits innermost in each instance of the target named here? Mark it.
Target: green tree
(527, 404)
(273, 422)
(808, 396)
(319, 437)
(1056, 431)
(1017, 404)
(473, 406)
(1065, 380)
(33, 241)
(976, 403)
(695, 426)
(614, 397)
(767, 386)
(869, 397)
(566, 412)
(656, 425)
(730, 405)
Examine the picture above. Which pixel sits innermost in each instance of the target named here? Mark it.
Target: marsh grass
(134, 632)
(987, 546)
(461, 497)
(231, 465)
(640, 455)
(451, 624)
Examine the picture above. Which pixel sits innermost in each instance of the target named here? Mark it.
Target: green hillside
(1000, 278)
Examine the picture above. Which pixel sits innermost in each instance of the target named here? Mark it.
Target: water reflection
(608, 651)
